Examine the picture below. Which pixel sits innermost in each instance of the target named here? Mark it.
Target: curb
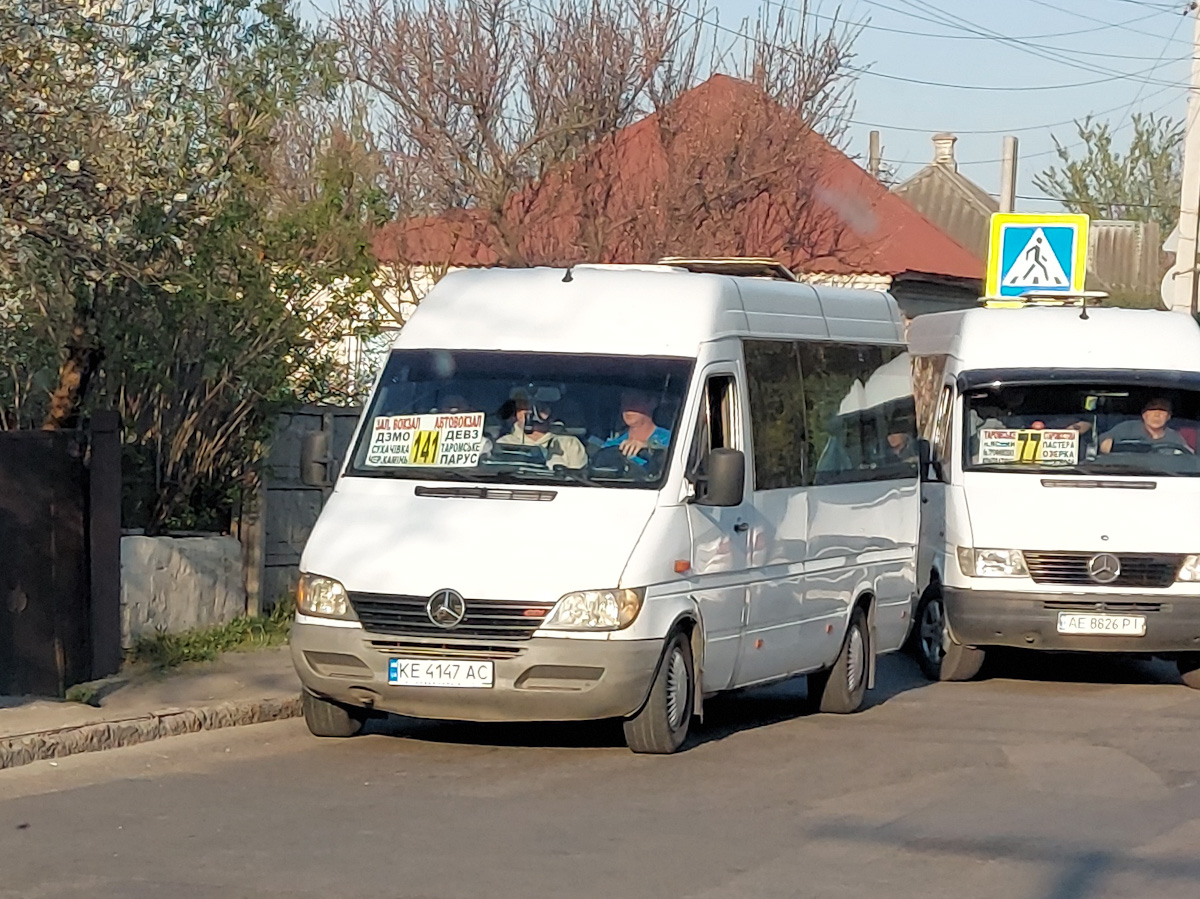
(24, 749)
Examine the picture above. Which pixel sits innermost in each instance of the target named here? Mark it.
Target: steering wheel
(1145, 447)
(611, 459)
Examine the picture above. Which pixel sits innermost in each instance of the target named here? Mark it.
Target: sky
(986, 68)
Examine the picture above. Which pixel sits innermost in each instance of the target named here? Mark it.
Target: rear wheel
(662, 724)
(840, 689)
(1189, 669)
(326, 718)
(939, 656)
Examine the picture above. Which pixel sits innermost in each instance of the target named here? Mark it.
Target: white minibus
(1062, 485)
(613, 491)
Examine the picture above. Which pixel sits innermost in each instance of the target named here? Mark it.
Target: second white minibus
(1065, 478)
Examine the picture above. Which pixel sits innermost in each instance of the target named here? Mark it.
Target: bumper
(1030, 620)
(548, 679)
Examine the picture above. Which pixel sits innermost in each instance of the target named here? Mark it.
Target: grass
(165, 650)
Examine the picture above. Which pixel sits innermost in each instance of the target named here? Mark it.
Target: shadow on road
(1075, 667)
(724, 716)
(1075, 871)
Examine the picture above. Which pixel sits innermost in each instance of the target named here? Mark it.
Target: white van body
(762, 589)
(1091, 551)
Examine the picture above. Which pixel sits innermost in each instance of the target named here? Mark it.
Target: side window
(776, 413)
(928, 377)
(715, 426)
(941, 438)
(861, 414)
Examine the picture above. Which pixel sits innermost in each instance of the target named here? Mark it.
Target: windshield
(1074, 428)
(459, 415)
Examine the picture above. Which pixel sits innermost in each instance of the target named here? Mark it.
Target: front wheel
(1189, 669)
(662, 724)
(938, 655)
(326, 718)
(841, 689)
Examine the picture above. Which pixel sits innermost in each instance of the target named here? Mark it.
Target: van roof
(1058, 337)
(642, 310)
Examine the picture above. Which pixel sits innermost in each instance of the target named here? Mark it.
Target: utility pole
(874, 156)
(1008, 175)
(1184, 273)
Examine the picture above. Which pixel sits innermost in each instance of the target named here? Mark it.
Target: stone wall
(176, 584)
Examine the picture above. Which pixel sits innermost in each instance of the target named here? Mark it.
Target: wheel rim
(933, 632)
(856, 659)
(677, 689)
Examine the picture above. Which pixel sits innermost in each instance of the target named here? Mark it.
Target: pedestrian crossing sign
(1036, 252)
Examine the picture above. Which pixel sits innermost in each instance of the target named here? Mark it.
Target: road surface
(1055, 779)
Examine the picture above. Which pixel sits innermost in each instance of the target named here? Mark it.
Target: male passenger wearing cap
(532, 428)
(1152, 429)
(637, 411)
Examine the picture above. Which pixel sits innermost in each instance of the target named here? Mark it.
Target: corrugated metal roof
(953, 202)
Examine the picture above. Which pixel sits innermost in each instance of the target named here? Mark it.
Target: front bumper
(547, 679)
(1030, 620)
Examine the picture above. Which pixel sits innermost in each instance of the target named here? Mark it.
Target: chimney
(943, 150)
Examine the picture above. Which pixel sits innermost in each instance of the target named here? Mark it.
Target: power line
(1159, 8)
(1017, 130)
(1070, 12)
(982, 37)
(951, 20)
(1079, 201)
(1040, 153)
(1161, 54)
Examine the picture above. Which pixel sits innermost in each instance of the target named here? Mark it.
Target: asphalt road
(1056, 779)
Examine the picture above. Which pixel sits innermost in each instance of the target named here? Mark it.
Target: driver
(532, 428)
(637, 412)
(1152, 429)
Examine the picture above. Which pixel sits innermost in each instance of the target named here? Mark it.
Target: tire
(331, 719)
(662, 724)
(1189, 669)
(840, 689)
(940, 658)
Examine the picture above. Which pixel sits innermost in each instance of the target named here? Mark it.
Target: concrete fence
(179, 583)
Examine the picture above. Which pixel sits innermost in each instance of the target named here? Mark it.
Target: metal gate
(60, 503)
(289, 507)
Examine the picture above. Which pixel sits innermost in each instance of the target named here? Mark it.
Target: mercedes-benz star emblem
(446, 608)
(1104, 568)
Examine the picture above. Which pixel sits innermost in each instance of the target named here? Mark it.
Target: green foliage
(153, 256)
(166, 650)
(1141, 184)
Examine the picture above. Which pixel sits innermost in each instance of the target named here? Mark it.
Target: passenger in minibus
(1152, 430)
(532, 427)
(641, 432)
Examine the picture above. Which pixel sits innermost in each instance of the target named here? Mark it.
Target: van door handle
(741, 527)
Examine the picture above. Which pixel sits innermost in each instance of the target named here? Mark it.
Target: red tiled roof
(738, 176)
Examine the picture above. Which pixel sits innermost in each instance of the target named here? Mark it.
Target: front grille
(1071, 568)
(406, 616)
(1121, 608)
(466, 651)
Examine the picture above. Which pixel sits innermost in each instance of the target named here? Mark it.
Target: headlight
(991, 562)
(322, 596)
(596, 610)
(1190, 570)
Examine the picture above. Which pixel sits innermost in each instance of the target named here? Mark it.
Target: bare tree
(477, 101)
(512, 124)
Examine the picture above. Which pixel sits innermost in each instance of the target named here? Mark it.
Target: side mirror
(315, 461)
(724, 480)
